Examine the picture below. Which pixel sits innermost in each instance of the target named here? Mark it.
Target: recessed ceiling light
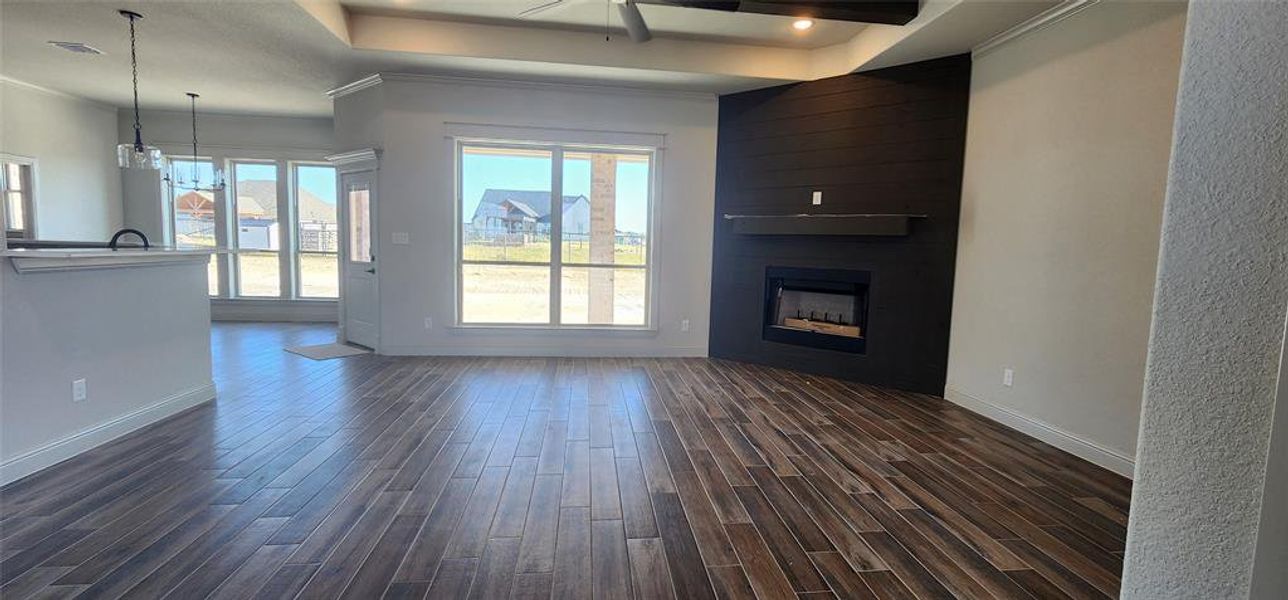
(802, 24)
(76, 47)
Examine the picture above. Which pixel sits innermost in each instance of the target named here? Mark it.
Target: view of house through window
(15, 184)
(317, 231)
(510, 226)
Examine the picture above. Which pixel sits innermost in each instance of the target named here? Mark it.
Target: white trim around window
(286, 162)
(555, 143)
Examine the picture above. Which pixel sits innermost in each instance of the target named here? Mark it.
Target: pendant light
(217, 182)
(136, 155)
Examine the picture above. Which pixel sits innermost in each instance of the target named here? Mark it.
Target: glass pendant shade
(129, 156)
(137, 155)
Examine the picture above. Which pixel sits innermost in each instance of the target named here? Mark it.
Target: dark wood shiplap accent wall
(887, 141)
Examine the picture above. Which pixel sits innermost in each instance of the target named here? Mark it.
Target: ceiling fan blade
(540, 8)
(634, 22)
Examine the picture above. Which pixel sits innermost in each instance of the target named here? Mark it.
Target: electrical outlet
(1008, 376)
(401, 238)
(79, 391)
(817, 198)
(684, 325)
(429, 322)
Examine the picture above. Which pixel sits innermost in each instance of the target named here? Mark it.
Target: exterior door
(360, 296)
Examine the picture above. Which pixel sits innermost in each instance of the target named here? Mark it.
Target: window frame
(555, 263)
(294, 243)
(233, 224)
(27, 173)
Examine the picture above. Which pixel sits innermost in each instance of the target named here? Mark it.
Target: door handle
(372, 270)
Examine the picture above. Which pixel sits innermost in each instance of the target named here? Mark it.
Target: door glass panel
(359, 197)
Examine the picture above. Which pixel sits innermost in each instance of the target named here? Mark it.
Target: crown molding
(621, 90)
(364, 159)
(1036, 23)
(53, 92)
(356, 86)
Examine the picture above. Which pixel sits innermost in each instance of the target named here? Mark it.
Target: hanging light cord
(608, 8)
(193, 97)
(134, 68)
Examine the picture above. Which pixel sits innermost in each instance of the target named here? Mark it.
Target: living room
(841, 299)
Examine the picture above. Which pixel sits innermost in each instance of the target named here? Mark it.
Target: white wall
(417, 196)
(1066, 161)
(78, 185)
(1216, 341)
(173, 131)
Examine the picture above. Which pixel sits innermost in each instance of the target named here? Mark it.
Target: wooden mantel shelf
(823, 224)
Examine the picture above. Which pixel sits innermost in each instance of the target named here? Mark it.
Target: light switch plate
(817, 198)
(1008, 377)
(79, 391)
(401, 238)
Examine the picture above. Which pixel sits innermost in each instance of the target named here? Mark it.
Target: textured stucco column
(1219, 310)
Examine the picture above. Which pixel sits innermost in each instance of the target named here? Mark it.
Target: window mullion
(556, 235)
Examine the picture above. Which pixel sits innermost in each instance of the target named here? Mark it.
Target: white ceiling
(261, 57)
(279, 57)
(590, 15)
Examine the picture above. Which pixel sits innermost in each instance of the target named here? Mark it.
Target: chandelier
(176, 179)
(136, 155)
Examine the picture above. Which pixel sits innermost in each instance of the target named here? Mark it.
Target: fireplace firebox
(820, 308)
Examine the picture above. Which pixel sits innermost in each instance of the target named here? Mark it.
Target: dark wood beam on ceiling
(889, 12)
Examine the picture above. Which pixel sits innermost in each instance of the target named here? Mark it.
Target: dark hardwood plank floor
(378, 476)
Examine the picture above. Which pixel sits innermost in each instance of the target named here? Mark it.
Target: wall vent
(76, 47)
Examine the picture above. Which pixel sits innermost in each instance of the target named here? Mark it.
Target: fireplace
(818, 308)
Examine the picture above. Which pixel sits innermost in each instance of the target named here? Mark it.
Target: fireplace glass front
(821, 308)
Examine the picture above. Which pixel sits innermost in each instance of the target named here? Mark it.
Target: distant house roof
(522, 207)
(257, 198)
(533, 203)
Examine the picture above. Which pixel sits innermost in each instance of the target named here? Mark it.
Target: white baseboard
(278, 311)
(13, 469)
(1085, 449)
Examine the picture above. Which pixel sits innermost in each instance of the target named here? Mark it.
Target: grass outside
(573, 252)
(319, 275)
(521, 294)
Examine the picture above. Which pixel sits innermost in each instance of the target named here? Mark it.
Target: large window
(15, 185)
(277, 217)
(195, 218)
(257, 232)
(317, 233)
(527, 259)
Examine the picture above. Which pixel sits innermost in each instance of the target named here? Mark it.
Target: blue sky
(320, 180)
(532, 173)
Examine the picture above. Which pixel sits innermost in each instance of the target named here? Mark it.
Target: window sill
(642, 330)
(273, 299)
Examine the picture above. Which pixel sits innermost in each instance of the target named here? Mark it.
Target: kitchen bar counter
(96, 344)
(65, 259)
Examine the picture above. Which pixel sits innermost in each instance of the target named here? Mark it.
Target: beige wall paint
(1066, 164)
